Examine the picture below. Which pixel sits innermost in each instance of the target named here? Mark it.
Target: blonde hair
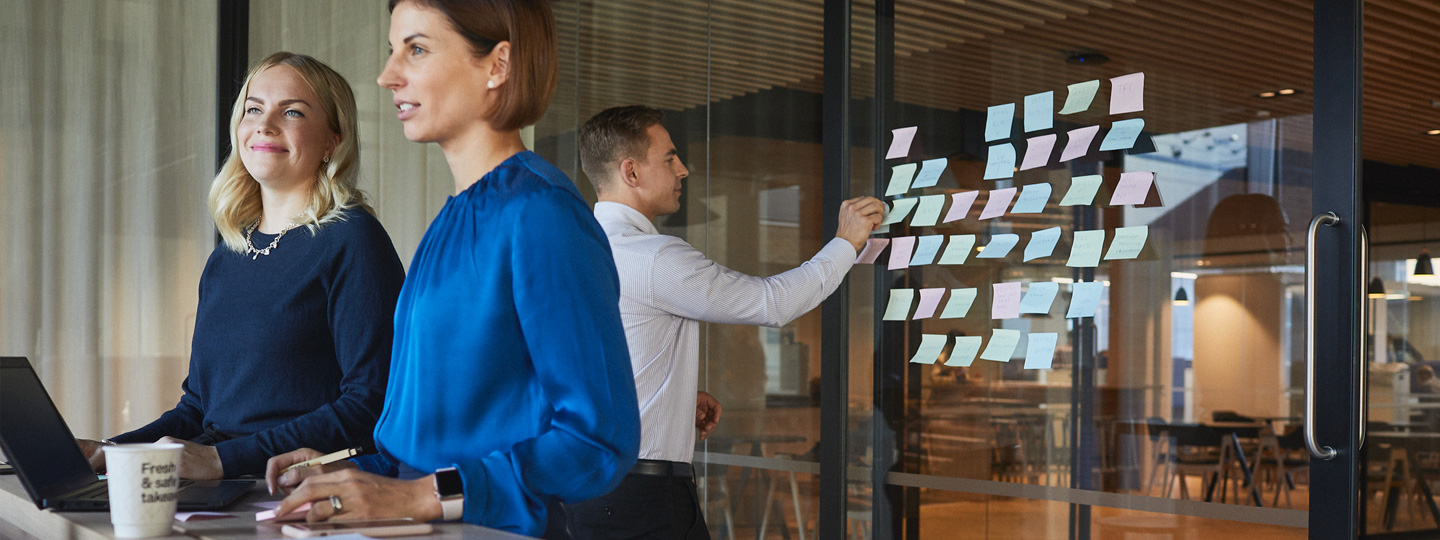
(235, 195)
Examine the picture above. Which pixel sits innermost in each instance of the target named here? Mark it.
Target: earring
(490, 84)
(325, 159)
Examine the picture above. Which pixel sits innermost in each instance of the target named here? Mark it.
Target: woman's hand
(364, 496)
(277, 479)
(92, 452)
(198, 461)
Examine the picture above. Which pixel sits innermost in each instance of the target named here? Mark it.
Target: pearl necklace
(256, 253)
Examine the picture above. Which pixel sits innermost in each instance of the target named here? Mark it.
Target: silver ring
(335, 504)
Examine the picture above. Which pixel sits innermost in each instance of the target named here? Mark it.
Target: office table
(19, 519)
(1403, 446)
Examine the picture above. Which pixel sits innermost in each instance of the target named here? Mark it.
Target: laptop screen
(35, 438)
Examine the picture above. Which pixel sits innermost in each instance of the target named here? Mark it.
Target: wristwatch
(450, 489)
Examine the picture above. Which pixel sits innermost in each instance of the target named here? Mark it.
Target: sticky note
(1000, 163)
(295, 515)
(999, 246)
(1032, 200)
(959, 249)
(899, 210)
(930, 170)
(1078, 142)
(1037, 151)
(928, 211)
(1122, 134)
(926, 248)
(900, 143)
(1133, 188)
(1039, 297)
(1039, 111)
(1080, 96)
(1005, 302)
(1084, 299)
(901, 248)
(996, 203)
(206, 516)
(1042, 243)
(997, 121)
(929, 300)
(959, 304)
(930, 347)
(900, 176)
(1128, 242)
(1085, 251)
(963, 354)
(1082, 190)
(899, 306)
(1002, 345)
(873, 247)
(1039, 350)
(1127, 93)
(960, 204)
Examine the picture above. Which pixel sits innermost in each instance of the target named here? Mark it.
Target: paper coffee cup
(143, 482)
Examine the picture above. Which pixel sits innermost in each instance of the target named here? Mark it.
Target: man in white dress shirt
(666, 288)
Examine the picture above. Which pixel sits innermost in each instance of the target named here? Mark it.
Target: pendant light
(1181, 299)
(1423, 267)
(1376, 289)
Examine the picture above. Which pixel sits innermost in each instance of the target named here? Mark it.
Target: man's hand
(364, 496)
(198, 461)
(92, 452)
(707, 414)
(858, 217)
(278, 480)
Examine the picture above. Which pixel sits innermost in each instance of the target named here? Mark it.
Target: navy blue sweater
(291, 349)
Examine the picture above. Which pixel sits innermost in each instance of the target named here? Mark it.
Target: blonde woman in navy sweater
(294, 326)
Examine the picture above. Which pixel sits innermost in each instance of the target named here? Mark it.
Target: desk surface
(20, 519)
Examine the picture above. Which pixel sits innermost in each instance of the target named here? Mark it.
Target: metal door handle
(1329, 219)
(1361, 333)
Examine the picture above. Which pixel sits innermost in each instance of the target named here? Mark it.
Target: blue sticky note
(1122, 134)
(1040, 350)
(1039, 111)
(1042, 243)
(1032, 200)
(929, 211)
(997, 121)
(1002, 345)
(1085, 299)
(1039, 297)
(926, 249)
(930, 347)
(999, 246)
(930, 170)
(900, 176)
(1000, 162)
(1085, 250)
(963, 354)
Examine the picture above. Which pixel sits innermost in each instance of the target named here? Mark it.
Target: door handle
(1361, 333)
(1328, 219)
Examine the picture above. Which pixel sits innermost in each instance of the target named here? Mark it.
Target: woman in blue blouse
(510, 373)
(293, 331)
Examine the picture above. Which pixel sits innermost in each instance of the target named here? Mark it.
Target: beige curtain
(106, 151)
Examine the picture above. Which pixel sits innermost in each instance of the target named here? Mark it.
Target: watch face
(448, 483)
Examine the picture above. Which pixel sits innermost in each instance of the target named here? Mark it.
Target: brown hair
(529, 26)
(612, 135)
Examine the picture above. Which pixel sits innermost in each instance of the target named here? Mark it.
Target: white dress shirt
(667, 287)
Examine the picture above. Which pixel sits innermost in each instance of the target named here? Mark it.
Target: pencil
(325, 459)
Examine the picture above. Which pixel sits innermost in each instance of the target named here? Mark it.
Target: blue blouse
(510, 360)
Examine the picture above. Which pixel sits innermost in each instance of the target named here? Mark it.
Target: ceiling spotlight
(1287, 91)
(1265, 94)
(1433, 132)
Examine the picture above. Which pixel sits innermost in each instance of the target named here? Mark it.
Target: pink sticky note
(1079, 142)
(1133, 188)
(901, 249)
(295, 515)
(998, 202)
(1005, 302)
(1037, 151)
(900, 145)
(873, 247)
(960, 205)
(929, 300)
(1127, 93)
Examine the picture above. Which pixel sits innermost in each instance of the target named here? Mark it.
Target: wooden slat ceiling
(1204, 59)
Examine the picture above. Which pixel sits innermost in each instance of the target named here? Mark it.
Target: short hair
(529, 26)
(612, 135)
(235, 195)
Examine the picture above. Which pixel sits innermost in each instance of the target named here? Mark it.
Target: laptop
(49, 462)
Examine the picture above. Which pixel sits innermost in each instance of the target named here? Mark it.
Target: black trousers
(643, 507)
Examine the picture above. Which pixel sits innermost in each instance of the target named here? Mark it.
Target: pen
(325, 459)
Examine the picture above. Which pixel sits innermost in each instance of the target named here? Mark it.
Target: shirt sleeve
(185, 421)
(566, 294)
(685, 282)
(366, 282)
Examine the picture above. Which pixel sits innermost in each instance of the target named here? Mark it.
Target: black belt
(655, 467)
